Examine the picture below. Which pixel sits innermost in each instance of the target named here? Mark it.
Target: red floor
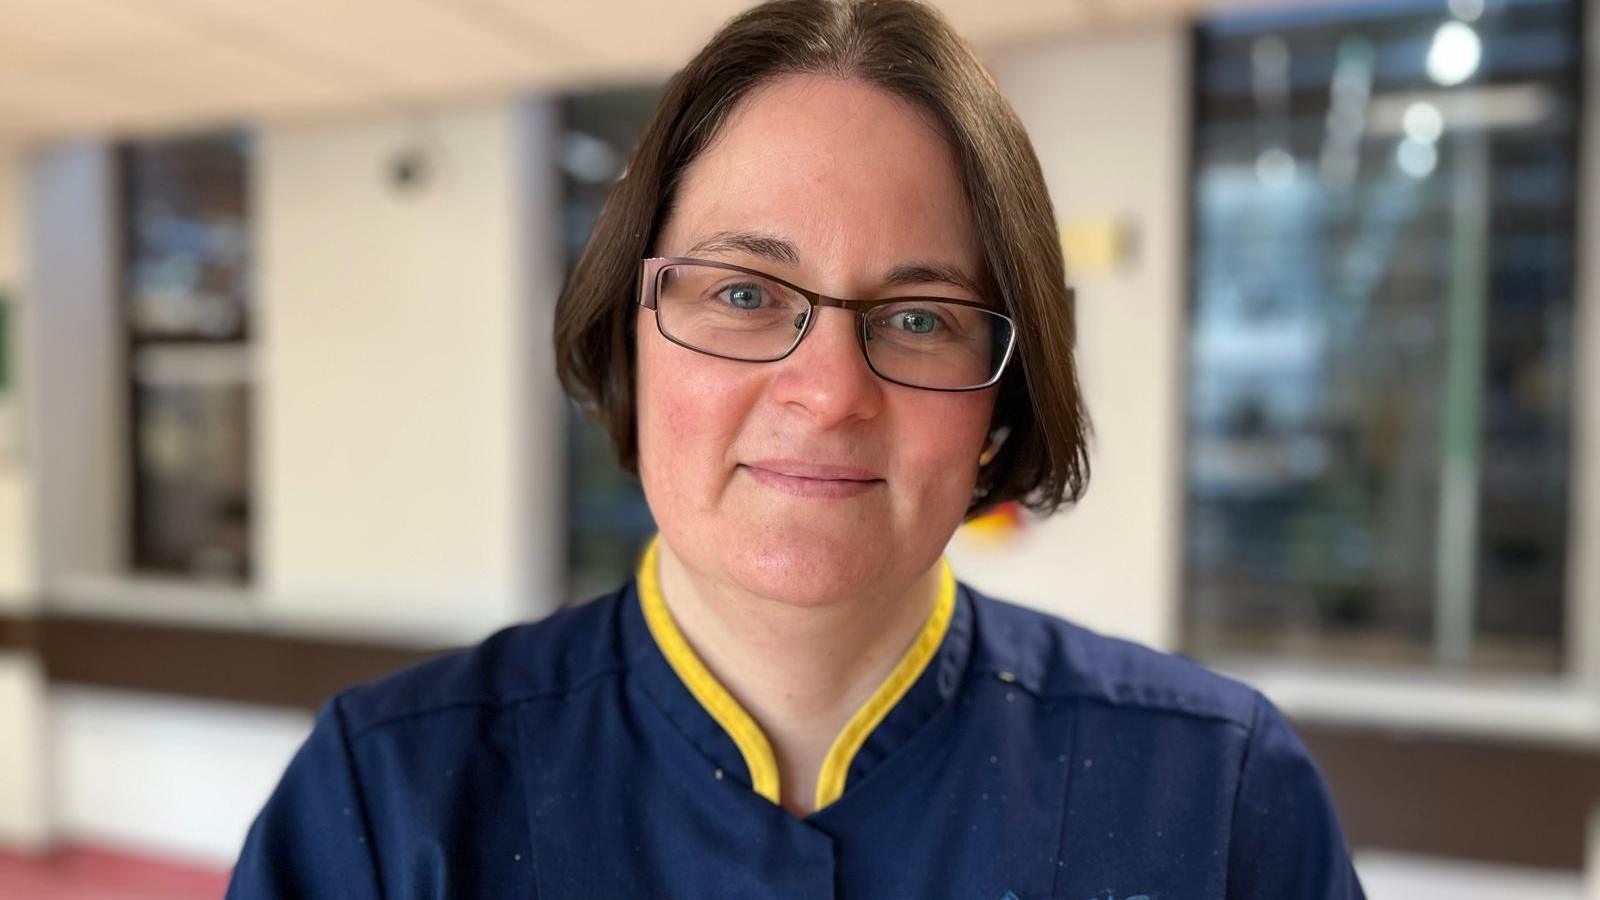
(87, 874)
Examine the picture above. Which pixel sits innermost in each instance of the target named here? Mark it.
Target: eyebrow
(765, 246)
(772, 247)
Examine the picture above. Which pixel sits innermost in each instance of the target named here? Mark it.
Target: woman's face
(741, 461)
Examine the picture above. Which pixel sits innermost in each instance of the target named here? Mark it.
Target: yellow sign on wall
(1096, 246)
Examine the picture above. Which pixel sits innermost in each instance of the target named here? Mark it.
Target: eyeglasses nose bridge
(853, 307)
(857, 308)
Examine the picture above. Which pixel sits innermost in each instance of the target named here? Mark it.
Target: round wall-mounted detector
(409, 169)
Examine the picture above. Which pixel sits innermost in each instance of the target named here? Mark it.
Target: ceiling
(72, 67)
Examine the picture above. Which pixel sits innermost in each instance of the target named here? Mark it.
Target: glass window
(1380, 360)
(186, 288)
(609, 519)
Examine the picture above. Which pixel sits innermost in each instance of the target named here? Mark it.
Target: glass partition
(1380, 349)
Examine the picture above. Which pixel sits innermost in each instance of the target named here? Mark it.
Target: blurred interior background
(277, 408)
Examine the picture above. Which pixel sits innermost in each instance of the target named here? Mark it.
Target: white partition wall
(1107, 118)
(408, 450)
(16, 528)
(24, 814)
(25, 803)
(55, 242)
(406, 418)
(173, 777)
(74, 382)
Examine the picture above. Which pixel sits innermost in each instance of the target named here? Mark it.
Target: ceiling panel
(990, 24)
(410, 45)
(77, 29)
(631, 35)
(107, 66)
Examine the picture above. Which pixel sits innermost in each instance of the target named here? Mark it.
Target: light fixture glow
(1416, 158)
(1423, 122)
(1276, 168)
(1454, 55)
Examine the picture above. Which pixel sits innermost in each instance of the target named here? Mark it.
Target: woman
(794, 698)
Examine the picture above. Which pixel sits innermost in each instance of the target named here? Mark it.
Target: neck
(800, 672)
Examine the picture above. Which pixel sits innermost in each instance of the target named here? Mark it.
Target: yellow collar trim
(830, 781)
(746, 734)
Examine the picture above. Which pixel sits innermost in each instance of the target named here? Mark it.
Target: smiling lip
(803, 479)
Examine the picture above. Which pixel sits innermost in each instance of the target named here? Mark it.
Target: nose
(827, 377)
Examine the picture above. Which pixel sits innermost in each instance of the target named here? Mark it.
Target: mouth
(803, 479)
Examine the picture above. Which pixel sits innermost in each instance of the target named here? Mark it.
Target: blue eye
(917, 321)
(744, 296)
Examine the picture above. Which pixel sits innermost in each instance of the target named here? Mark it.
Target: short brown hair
(909, 50)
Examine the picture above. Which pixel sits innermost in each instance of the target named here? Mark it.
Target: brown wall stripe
(239, 666)
(1481, 799)
(209, 663)
(17, 633)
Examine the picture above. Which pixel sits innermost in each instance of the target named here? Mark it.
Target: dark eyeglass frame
(650, 284)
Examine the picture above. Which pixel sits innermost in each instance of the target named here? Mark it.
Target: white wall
(1107, 119)
(16, 529)
(25, 813)
(398, 468)
(1400, 876)
(24, 806)
(408, 467)
(180, 779)
(74, 381)
(12, 162)
(55, 226)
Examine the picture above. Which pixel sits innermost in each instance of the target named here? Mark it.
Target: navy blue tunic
(1012, 755)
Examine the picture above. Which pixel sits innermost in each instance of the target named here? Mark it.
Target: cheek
(939, 442)
(689, 413)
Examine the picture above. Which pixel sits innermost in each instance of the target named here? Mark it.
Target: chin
(807, 570)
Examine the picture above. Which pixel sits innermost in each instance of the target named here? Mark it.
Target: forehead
(856, 178)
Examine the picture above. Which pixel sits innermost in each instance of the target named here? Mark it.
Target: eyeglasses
(732, 312)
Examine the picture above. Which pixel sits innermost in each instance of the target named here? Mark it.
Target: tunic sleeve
(311, 841)
(1286, 840)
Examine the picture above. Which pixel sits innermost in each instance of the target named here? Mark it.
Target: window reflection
(1380, 361)
(186, 286)
(609, 519)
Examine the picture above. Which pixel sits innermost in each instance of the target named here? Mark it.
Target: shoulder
(1060, 660)
(571, 649)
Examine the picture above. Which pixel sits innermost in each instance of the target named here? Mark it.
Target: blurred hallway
(278, 412)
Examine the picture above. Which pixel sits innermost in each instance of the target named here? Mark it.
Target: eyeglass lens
(920, 342)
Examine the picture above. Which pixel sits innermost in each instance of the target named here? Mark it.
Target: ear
(997, 437)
